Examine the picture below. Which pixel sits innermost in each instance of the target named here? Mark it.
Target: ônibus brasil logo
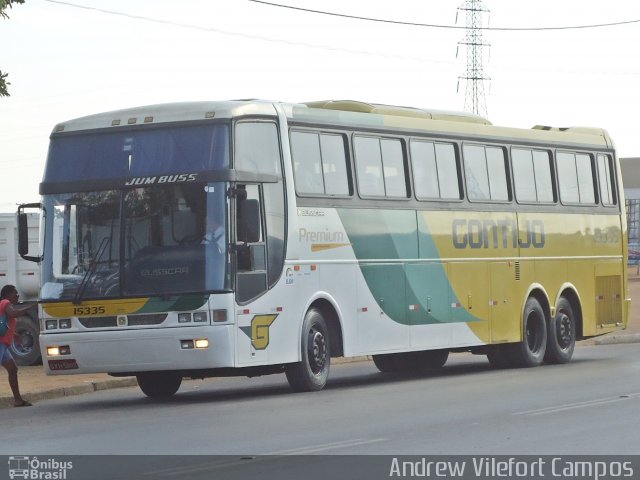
(38, 469)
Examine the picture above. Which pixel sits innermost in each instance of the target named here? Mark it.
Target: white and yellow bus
(249, 237)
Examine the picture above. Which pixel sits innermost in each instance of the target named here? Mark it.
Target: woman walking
(8, 298)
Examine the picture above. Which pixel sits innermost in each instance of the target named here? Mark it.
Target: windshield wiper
(92, 266)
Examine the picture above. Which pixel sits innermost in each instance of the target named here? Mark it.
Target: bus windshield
(160, 240)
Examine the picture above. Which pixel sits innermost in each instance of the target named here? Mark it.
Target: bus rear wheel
(159, 384)
(499, 356)
(530, 351)
(561, 334)
(311, 374)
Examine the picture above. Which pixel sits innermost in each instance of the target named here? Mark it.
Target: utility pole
(474, 100)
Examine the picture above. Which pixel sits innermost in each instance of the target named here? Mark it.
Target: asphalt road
(587, 407)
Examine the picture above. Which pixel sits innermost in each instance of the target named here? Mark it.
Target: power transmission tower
(475, 76)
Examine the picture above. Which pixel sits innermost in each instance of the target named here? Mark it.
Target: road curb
(617, 339)
(88, 387)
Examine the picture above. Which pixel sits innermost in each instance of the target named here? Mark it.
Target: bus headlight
(58, 350)
(51, 324)
(198, 343)
(184, 317)
(200, 317)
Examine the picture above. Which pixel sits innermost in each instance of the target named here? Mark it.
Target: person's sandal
(23, 404)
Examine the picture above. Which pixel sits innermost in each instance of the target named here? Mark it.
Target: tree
(4, 5)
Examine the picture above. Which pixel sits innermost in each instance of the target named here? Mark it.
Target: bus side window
(532, 175)
(486, 173)
(381, 167)
(576, 178)
(607, 184)
(435, 170)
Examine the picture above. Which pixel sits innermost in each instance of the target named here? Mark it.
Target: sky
(68, 59)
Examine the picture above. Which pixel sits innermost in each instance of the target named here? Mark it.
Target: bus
(193, 240)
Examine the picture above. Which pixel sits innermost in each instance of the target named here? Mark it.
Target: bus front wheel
(561, 334)
(159, 384)
(25, 348)
(311, 374)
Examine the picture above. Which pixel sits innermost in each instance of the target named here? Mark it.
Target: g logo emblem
(259, 330)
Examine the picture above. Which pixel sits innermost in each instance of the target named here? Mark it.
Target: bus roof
(346, 113)
(355, 106)
(352, 113)
(168, 112)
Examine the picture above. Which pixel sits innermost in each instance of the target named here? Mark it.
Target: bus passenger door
(251, 276)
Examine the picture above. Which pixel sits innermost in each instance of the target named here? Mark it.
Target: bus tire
(25, 347)
(385, 362)
(499, 356)
(411, 362)
(311, 374)
(561, 334)
(435, 359)
(530, 351)
(159, 384)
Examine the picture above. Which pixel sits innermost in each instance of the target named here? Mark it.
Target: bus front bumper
(131, 351)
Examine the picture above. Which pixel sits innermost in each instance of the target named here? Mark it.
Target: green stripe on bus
(408, 291)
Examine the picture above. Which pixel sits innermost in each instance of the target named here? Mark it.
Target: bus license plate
(66, 364)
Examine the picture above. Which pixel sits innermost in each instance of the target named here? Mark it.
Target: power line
(237, 34)
(311, 45)
(455, 27)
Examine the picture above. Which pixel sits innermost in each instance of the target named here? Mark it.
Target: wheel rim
(534, 333)
(316, 351)
(564, 330)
